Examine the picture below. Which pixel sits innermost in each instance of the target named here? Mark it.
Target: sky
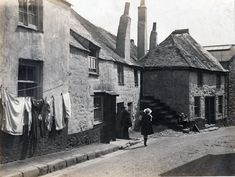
(210, 22)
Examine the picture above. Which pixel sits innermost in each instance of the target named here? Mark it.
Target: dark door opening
(210, 110)
(108, 116)
(118, 125)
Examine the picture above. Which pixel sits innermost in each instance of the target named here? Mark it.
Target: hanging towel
(28, 108)
(67, 105)
(12, 114)
(59, 120)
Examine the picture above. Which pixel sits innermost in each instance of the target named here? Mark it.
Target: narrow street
(210, 153)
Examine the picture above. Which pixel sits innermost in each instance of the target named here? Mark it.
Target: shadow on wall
(209, 165)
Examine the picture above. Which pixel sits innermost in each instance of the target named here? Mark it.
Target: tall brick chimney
(123, 36)
(153, 37)
(142, 30)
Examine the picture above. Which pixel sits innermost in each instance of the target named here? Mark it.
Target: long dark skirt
(147, 129)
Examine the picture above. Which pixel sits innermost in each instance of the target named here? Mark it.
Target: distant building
(184, 76)
(225, 55)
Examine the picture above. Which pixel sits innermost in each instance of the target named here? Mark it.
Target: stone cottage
(183, 75)
(225, 55)
(47, 49)
(104, 73)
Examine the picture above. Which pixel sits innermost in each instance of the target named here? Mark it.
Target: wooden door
(210, 109)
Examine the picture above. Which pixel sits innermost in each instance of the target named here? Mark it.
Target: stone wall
(170, 86)
(50, 46)
(83, 86)
(231, 90)
(208, 89)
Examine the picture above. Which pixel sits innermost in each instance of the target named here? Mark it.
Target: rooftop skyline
(210, 22)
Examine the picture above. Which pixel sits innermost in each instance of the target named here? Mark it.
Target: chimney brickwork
(153, 37)
(123, 36)
(142, 30)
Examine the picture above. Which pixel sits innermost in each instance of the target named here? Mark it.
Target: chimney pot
(154, 26)
(142, 3)
(153, 37)
(127, 8)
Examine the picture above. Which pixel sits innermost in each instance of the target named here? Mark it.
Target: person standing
(125, 123)
(146, 124)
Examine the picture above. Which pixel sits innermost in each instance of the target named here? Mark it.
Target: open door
(108, 131)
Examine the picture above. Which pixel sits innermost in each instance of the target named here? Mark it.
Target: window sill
(93, 74)
(28, 27)
(96, 123)
(121, 84)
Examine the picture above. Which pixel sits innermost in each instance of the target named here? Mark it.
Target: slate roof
(180, 50)
(223, 53)
(101, 38)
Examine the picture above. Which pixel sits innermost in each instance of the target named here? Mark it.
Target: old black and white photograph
(117, 88)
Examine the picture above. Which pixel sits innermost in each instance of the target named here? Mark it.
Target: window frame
(98, 108)
(30, 15)
(93, 63)
(197, 106)
(220, 104)
(120, 71)
(33, 81)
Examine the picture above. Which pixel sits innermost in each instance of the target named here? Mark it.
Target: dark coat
(146, 125)
(126, 119)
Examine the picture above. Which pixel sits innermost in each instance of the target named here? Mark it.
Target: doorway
(210, 109)
(118, 123)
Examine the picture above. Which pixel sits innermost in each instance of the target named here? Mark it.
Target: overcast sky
(210, 22)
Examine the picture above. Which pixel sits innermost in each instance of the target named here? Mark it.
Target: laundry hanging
(48, 112)
(28, 108)
(59, 118)
(12, 113)
(67, 105)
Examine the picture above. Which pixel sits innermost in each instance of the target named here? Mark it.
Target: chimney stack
(123, 36)
(153, 37)
(142, 30)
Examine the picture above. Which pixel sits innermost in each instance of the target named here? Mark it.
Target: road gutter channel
(59, 164)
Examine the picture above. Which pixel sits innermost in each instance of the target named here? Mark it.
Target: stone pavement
(42, 165)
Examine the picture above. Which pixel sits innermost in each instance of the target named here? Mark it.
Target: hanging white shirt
(67, 105)
(12, 114)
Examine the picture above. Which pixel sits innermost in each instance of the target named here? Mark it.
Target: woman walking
(146, 124)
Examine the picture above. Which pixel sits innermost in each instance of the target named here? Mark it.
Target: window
(29, 13)
(220, 104)
(136, 78)
(197, 106)
(120, 75)
(98, 108)
(218, 81)
(93, 63)
(199, 79)
(93, 59)
(30, 78)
